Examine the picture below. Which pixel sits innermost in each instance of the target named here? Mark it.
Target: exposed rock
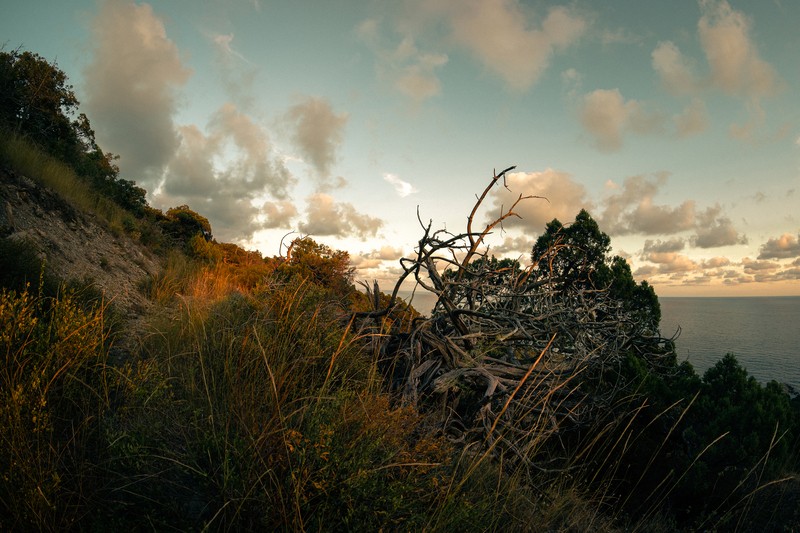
(75, 246)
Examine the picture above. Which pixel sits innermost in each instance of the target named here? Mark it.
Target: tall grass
(32, 162)
(53, 392)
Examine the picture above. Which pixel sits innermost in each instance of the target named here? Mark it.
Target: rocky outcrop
(75, 246)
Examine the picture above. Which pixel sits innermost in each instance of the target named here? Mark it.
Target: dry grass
(32, 162)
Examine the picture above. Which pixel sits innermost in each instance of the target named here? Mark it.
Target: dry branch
(506, 352)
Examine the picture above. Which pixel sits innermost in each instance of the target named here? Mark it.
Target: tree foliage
(320, 264)
(577, 256)
(37, 102)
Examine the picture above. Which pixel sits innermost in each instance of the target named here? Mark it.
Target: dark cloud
(716, 262)
(752, 266)
(278, 214)
(715, 230)
(672, 245)
(131, 88)
(317, 133)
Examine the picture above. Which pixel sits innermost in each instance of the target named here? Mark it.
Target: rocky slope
(75, 246)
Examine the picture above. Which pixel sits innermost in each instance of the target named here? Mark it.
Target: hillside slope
(75, 246)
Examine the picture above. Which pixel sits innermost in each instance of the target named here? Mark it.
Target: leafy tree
(37, 102)
(321, 264)
(577, 257)
(182, 224)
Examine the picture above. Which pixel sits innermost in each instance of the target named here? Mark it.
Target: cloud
(784, 247)
(716, 262)
(505, 38)
(675, 73)
(324, 216)
(131, 88)
(752, 266)
(409, 70)
(223, 172)
(519, 245)
(415, 73)
(387, 253)
(659, 246)
(733, 58)
(237, 73)
(633, 210)
(735, 67)
(693, 119)
(566, 198)
(607, 116)
(402, 188)
(277, 214)
(714, 230)
(253, 167)
(318, 132)
(671, 262)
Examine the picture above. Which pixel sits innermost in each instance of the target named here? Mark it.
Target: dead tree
(506, 353)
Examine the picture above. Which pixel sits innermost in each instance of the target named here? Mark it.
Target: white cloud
(503, 36)
(410, 71)
(692, 120)
(671, 262)
(324, 216)
(222, 172)
(607, 116)
(520, 245)
(402, 188)
(675, 73)
(131, 88)
(565, 196)
(736, 66)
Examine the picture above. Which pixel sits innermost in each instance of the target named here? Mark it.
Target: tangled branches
(516, 358)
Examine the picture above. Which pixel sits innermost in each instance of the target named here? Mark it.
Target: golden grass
(32, 162)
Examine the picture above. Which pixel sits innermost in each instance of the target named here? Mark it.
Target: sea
(762, 332)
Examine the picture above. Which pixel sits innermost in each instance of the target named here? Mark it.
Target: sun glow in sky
(675, 124)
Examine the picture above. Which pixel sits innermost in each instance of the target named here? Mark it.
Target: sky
(675, 124)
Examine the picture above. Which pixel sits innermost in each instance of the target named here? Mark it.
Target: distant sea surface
(762, 332)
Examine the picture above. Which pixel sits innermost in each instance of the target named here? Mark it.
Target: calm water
(763, 333)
